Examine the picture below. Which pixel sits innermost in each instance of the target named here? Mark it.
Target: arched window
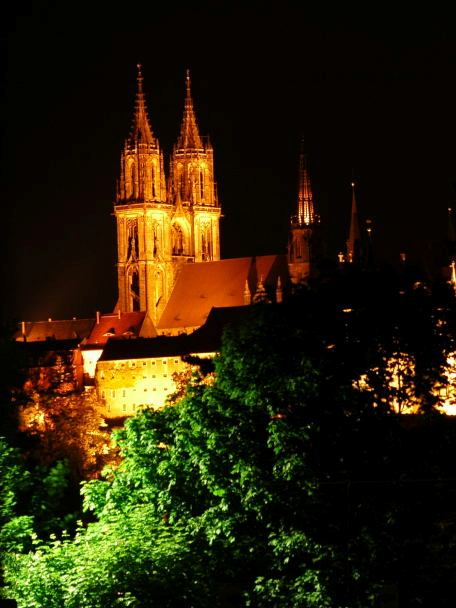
(206, 244)
(178, 240)
(202, 185)
(132, 180)
(135, 302)
(154, 192)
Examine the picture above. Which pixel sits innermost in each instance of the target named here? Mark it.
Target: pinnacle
(189, 137)
(306, 212)
(141, 131)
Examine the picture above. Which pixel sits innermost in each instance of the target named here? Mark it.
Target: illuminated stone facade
(162, 224)
(125, 385)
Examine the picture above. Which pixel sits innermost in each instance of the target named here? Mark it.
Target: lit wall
(123, 386)
(90, 358)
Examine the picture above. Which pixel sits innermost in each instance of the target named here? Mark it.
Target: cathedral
(175, 294)
(168, 231)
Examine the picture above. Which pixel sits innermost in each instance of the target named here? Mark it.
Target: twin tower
(163, 223)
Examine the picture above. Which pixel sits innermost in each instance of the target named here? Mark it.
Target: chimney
(98, 317)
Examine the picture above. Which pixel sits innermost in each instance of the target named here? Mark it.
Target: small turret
(260, 293)
(247, 295)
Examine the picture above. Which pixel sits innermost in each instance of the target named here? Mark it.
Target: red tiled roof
(123, 325)
(205, 285)
(68, 329)
(206, 339)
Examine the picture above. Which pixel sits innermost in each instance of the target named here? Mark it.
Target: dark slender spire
(189, 137)
(141, 131)
(354, 237)
(451, 230)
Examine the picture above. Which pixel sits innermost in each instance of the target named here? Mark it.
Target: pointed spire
(306, 212)
(189, 135)
(260, 293)
(141, 131)
(354, 238)
(451, 230)
(247, 295)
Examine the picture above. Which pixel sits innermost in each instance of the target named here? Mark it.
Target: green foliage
(126, 560)
(33, 500)
(274, 482)
(14, 480)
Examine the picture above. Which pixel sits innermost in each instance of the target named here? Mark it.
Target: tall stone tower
(161, 227)
(302, 245)
(192, 190)
(143, 218)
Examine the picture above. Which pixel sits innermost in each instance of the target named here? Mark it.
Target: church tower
(302, 245)
(192, 190)
(159, 228)
(144, 263)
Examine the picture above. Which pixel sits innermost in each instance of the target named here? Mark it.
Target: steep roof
(116, 325)
(69, 329)
(141, 131)
(206, 339)
(205, 285)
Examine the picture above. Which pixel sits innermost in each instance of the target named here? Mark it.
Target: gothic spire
(189, 137)
(306, 212)
(141, 131)
(354, 237)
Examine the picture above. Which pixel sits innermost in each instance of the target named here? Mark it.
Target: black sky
(373, 94)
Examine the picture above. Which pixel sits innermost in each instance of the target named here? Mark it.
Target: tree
(278, 480)
(241, 475)
(67, 427)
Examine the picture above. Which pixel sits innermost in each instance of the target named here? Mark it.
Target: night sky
(373, 94)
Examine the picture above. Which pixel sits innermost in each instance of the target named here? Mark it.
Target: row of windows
(124, 407)
(102, 376)
(144, 363)
(112, 393)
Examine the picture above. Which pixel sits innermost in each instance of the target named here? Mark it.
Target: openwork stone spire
(189, 137)
(306, 212)
(141, 131)
(142, 178)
